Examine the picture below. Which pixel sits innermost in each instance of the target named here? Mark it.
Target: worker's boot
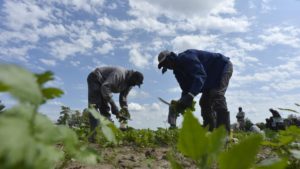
(209, 120)
(223, 119)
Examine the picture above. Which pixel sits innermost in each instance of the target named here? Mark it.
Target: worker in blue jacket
(203, 72)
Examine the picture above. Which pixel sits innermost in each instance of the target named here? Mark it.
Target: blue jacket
(197, 71)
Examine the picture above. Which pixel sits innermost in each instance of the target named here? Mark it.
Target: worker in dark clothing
(241, 119)
(104, 81)
(276, 121)
(203, 72)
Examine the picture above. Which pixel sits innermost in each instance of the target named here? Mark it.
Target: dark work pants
(213, 103)
(95, 99)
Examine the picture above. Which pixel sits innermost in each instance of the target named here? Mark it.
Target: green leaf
(217, 141)
(192, 141)
(87, 156)
(20, 83)
(44, 77)
(3, 87)
(51, 93)
(108, 133)
(19, 147)
(285, 140)
(241, 155)
(106, 126)
(270, 164)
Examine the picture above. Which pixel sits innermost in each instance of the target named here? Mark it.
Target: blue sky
(72, 37)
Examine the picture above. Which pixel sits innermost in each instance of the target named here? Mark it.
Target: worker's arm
(111, 81)
(123, 97)
(194, 70)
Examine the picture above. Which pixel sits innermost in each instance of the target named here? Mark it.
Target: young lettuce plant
(207, 149)
(28, 138)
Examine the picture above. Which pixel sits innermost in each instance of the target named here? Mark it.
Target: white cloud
(184, 42)
(90, 6)
(174, 90)
(147, 24)
(105, 48)
(180, 9)
(287, 85)
(15, 53)
(51, 30)
(138, 59)
(282, 77)
(262, 101)
(135, 107)
(112, 6)
(26, 35)
(101, 36)
(197, 15)
(138, 94)
(248, 46)
(48, 62)
(148, 115)
(266, 7)
(229, 24)
(20, 14)
(282, 35)
(61, 49)
(75, 63)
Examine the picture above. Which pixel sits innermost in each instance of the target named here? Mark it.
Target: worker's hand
(176, 107)
(173, 105)
(185, 101)
(123, 114)
(114, 108)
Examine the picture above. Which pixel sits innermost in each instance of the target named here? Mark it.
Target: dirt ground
(130, 157)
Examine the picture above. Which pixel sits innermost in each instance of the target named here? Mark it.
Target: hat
(162, 57)
(138, 78)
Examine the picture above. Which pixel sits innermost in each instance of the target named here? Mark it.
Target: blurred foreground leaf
(20, 83)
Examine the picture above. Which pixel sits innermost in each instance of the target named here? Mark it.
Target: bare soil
(131, 157)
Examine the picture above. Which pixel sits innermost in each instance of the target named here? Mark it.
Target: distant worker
(276, 120)
(197, 72)
(240, 119)
(104, 81)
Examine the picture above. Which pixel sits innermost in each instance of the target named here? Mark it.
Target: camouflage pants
(213, 103)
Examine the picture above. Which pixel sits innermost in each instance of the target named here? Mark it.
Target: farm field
(65, 145)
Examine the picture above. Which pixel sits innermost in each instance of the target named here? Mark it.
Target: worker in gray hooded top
(104, 81)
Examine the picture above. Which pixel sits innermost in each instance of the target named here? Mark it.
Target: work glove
(114, 108)
(185, 101)
(123, 114)
(174, 108)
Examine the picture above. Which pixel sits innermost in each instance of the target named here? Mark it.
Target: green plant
(28, 138)
(207, 149)
(286, 145)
